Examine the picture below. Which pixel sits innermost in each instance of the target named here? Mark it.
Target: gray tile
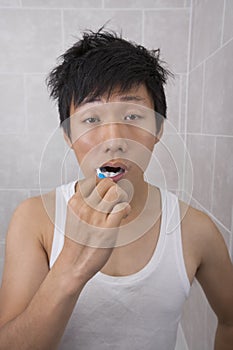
(223, 180)
(183, 114)
(195, 102)
(10, 3)
(39, 192)
(187, 3)
(143, 3)
(9, 200)
(218, 92)
(71, 169)
(62, 3)
(76, 21)
(42, 114)
(37, 43)
(167, 162)
(168, 30)
(12, 109)
(201, 150)
(173, 91)
(228, 27)
(206, 29)
(31, 161)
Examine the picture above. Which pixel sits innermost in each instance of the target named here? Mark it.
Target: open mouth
(109, 171)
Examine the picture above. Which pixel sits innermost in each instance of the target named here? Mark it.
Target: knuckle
(72, 203)
(82, 212)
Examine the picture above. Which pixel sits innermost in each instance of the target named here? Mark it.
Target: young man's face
(119, 133)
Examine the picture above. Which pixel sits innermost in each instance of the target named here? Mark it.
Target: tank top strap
(63, 194)
(173, 233)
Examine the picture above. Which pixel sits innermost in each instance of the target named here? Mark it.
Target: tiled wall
(33, 33)
(209, 139)
(195, 40)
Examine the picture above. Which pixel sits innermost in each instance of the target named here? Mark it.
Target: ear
(67, 139)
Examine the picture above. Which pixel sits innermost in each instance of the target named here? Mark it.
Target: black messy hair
(100, 62)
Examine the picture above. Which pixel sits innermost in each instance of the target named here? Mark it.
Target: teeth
(103, 174)
(111, 174)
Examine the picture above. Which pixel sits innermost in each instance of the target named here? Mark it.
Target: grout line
(203, 134)
(18, 8)
(213, 175)
(58, 8)
(202, 96)
(25, 189)
(223, 22)
(211, 215)
(25, 130)
(180, 102)
(157, 9)
(186, 97)
(213, 53)
(197, 66)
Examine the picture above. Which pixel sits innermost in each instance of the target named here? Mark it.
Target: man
(102, 263)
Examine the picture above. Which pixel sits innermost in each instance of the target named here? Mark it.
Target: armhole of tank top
(180, 252)
(58, 234)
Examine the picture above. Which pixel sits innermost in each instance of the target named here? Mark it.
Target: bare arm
(35, 303)
(215, 275)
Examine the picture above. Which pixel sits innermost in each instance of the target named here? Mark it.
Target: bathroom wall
(195, 42)
(209, 138)
(33, 33)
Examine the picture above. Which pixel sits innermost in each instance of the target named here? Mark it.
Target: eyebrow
(122, 98)
(132, 98)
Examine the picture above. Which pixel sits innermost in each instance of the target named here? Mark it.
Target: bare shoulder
(36, 214)
(214, 269)
(26, 259)
(199, 229)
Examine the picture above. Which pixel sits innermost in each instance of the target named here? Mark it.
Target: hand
(94, 214)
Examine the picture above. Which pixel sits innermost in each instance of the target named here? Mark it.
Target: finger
(99, 192)
(86, 186)
(112, 196)
(119, 212)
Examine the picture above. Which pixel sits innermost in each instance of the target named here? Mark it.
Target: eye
(91, 120)
(132, 117)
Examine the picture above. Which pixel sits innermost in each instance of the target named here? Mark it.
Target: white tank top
(140, 311)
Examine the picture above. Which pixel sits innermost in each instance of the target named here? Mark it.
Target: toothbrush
(100, 174)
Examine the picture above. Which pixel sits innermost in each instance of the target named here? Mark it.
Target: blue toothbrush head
(100, 174)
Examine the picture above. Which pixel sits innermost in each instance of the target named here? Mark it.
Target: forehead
(137, 95)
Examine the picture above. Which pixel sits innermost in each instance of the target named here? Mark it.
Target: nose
(115, 140)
